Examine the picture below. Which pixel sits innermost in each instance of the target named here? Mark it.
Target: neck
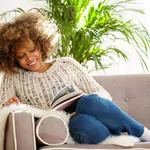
(45, 67)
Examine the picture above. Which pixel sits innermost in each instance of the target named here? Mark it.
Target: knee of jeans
(86, 102)
(86, 129)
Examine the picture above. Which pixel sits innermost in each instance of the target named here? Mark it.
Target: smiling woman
(24, 44)
(121, 67)
(29, 56)
(28, 79)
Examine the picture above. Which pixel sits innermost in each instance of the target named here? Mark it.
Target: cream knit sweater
(39, 89)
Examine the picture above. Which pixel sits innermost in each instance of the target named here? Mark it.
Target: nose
(28, 57)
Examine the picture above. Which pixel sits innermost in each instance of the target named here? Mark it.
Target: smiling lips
(33, 63)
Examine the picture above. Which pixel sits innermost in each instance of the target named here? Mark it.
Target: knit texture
(39, 89)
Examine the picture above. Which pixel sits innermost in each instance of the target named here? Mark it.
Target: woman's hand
(73, 114)
(13, 100)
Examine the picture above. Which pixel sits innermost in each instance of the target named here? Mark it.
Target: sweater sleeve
(7, 89)
(83, 79)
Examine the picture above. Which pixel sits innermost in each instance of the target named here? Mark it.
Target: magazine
(66, 99)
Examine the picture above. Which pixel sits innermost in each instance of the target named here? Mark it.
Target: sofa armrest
(20, 131)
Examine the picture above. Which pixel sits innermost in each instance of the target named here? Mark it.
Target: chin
(34, 69)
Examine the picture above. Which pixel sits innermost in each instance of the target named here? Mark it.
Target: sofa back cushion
(131, 93)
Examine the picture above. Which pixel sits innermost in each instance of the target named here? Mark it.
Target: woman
(29, 79)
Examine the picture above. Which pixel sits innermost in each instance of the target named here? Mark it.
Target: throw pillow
(20, 131)
(51, 130)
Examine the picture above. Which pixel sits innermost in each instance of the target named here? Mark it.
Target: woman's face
(29, 56)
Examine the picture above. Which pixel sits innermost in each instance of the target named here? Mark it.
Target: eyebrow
(29, 48)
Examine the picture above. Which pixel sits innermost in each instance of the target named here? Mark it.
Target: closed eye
(32, 50)
(20, 56)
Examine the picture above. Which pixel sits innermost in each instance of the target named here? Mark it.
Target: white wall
(132, 66)
(25, 4)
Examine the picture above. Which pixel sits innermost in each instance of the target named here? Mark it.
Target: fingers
(13, 100)
(73, 114)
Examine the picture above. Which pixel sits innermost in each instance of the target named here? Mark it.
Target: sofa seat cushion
(51, 130)
(138, 146)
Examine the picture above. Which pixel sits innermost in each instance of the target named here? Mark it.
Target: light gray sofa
(132, 94)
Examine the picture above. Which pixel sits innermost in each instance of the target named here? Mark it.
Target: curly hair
(27, 25)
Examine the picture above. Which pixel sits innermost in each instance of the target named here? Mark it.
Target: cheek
(39, 54)
(21, 62)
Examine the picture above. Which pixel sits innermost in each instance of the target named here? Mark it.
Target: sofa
(130, 92)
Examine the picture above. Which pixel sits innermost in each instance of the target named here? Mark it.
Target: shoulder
(14, 76)
(7, 75)
(7, 79)
(65, 59)
(68, 61)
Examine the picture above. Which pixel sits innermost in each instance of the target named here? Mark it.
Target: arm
(7, 90)
(84, 81)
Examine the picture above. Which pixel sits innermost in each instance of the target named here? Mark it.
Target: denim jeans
(98, 118)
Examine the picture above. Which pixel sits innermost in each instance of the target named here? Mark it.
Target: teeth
(32, 63)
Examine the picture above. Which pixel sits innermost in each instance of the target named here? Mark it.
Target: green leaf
(89, 31)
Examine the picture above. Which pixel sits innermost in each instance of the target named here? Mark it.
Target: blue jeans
(98, 118)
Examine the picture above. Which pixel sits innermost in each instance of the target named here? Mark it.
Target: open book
(66, 99)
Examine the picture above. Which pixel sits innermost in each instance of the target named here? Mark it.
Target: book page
(65, 97)
(66, 90)
(66, 104)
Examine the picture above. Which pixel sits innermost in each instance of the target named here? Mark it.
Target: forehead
(24, 45)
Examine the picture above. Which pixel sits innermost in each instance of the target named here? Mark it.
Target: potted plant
(90, 30)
